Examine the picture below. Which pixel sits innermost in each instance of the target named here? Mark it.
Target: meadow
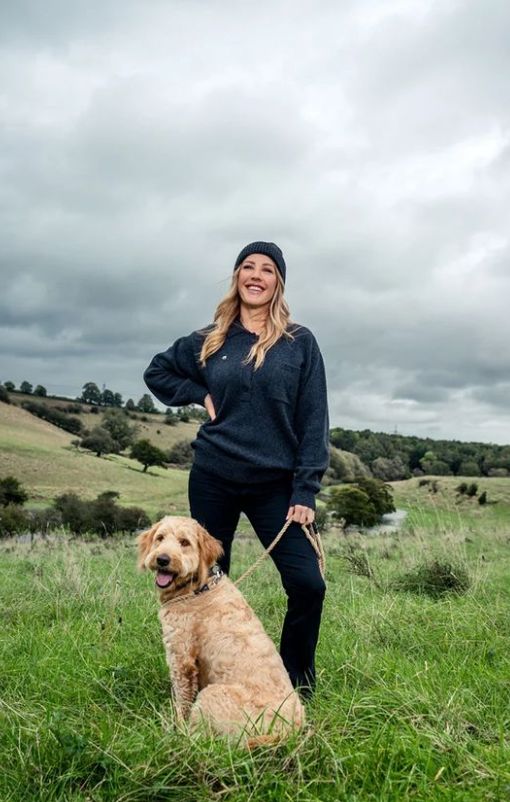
(412, 699)
(413, 695)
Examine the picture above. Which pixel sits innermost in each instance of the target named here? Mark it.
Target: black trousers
(217, 503)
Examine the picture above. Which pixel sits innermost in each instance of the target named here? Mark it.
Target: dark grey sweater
(269, 423)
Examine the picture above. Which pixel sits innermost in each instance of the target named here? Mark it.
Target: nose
(163, 560)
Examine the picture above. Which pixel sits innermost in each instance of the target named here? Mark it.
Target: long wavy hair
(278, 320)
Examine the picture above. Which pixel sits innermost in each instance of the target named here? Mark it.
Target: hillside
(41, 456)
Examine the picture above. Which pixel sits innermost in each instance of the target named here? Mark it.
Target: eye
(159, 538)
(184, 541)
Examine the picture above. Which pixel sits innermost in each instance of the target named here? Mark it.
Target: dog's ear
(210, 550)
(144, 544)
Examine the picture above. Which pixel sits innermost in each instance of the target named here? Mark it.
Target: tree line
(394, 456)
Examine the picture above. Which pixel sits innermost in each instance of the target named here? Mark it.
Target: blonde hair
(228, 310)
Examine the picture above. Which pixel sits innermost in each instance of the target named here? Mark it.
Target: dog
(227, 676)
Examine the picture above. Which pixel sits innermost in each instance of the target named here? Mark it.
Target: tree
(379, 494)
(353, 506)
(389, 470)
(100, 441)
(117, 400)
(4, 395)
(143, 451)
(12, 492)
(116, 423)
(40, 391)
(91, 393)
(130, 405)
(107, 398)
(26, 387)
(9, 386)
(146, 404)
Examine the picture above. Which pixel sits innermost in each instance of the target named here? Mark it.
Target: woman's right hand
(208, 404)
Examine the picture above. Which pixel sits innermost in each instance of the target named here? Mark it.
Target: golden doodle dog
(226, 672)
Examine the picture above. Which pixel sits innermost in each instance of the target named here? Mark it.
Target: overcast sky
(143, 144)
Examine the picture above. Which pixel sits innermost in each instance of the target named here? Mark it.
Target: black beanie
(268, 249)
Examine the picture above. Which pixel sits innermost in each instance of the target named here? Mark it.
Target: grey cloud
(147, 144)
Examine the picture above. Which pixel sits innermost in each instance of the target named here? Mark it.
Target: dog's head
(179, 551)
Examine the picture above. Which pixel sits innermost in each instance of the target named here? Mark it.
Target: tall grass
(412, 699)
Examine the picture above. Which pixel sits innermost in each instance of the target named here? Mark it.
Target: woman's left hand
(300, 514)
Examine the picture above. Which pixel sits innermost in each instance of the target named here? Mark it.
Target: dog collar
(215, 574)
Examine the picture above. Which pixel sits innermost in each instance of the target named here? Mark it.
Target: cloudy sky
(142, 144)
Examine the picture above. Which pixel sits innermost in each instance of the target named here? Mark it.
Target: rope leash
(312, 535)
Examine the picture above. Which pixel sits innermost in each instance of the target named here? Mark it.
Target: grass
(41, 456)
(412, 700)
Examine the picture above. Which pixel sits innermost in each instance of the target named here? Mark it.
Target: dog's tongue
(163, 580)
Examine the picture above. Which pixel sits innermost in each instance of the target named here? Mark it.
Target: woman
(264, 448)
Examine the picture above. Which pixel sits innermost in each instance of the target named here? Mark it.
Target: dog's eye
(159, 538)
(184, 542)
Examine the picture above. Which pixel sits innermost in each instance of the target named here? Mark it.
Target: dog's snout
(163, 560)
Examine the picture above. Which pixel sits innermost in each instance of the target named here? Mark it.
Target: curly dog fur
(226, 672)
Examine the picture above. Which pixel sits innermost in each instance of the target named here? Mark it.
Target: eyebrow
(251, 262)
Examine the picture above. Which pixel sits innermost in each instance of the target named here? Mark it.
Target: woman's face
(257, 280)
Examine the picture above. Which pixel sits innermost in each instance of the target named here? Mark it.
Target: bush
(14, 520)
(4, 395)
(102, 516)
(482, 498)
(434, 579)
(115, 422)
(181, 454)
(55, 416)
(322, 519)
(462, 488)
(472, 489)
(44, 521)
(12, 492)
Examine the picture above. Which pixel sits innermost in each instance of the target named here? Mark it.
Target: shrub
(12, 492)
(55, 416)
(45, 520)
(482, 498)
(101, 516)
(462, 488)
(434, 579)
(472, 489)
(14, 520)
(4, 395)
(181, 454)
(321, 519)
(423, 482)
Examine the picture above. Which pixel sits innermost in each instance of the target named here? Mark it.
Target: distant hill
(41, 456)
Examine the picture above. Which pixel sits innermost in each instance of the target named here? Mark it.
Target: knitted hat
(268, 249)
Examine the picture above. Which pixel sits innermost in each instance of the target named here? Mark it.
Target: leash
(312, 535)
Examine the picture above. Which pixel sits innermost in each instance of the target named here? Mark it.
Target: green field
(413, 696)
(41, 456)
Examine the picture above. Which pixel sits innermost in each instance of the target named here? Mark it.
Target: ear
(144, 544)
(210, 550)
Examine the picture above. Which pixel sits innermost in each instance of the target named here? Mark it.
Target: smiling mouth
(164, 579)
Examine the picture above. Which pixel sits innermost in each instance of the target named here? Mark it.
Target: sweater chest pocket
(284, 383)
